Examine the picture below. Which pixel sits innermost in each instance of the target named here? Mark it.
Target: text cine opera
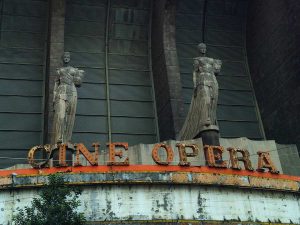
(213, 156)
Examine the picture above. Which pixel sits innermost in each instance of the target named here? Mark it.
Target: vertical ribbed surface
(85, 38)
(118, 73)
(22, 59)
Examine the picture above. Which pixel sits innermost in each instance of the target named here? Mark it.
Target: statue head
(202, 48)
(67, 57)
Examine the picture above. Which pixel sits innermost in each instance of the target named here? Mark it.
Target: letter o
(155, 156)
(32, 152)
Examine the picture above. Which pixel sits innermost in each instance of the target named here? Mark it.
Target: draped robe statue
(65, 101)
(202, 112)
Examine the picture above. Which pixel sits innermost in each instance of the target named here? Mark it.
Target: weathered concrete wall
(273, 47)
(170, 202)
(289, 158)
(171, 175)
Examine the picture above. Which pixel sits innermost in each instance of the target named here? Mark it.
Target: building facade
(138, 58)
(138, 61)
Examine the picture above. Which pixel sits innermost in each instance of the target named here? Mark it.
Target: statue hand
(217, 65)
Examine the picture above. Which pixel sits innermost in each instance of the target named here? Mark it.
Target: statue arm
(56, 84)
(55, 92)
(194, 79)
(196, 68)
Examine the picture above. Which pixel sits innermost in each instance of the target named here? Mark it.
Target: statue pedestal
(210, 135)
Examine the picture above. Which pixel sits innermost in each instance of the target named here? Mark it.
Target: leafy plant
(56, 205)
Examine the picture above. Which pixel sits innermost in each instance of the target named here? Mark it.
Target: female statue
(202, 111)
(65, 100)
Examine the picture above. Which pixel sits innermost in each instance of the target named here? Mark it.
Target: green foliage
(56, 205)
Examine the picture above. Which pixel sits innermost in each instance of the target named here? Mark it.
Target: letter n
(92, 158)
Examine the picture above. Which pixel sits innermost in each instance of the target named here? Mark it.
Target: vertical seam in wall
(204, 20)
(1, 16)
(166, 67)
(150, 70)
(46, 73)
(167, 60)
(107, 70)
(257, 111)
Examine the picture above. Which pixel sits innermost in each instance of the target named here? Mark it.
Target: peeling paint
(180, 178)
(273, 184)
(23, 181)
(200, 210)
(219, 179)
(150, 195)
(5, 181)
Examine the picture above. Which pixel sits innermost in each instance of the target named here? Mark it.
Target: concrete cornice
(149, 174)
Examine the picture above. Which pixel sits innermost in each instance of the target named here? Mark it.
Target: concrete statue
(65, 100)
(202, 112)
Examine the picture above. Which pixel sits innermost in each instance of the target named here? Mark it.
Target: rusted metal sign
(213, 156)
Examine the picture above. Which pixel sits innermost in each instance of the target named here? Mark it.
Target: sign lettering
(213, 156)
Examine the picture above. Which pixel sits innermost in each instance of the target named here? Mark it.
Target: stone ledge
(152, 175)
(184, 222)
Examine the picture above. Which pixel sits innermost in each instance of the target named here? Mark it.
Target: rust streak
(180, 178)
(220, 179)
(270, 183)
